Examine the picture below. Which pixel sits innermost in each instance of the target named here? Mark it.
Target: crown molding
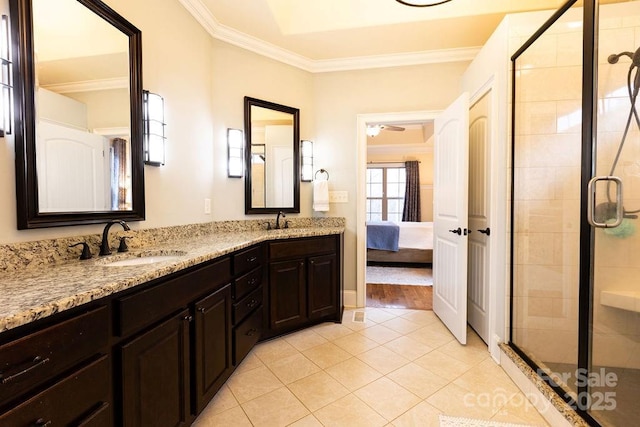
(89, 85)
(261, 47)
(396, 60)
(229, 35)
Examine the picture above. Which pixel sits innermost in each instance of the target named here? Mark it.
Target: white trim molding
(89, 85)
(349, 299)
(395, 60)
(229, 35)
(362, 120)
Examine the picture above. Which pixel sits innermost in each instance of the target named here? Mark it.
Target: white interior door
(62, 188)
(480, 234)
(451, 161)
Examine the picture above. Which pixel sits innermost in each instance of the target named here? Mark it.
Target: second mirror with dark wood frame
(78, 113)
(272, 149)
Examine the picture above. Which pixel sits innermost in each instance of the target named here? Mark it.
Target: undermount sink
(142, 258)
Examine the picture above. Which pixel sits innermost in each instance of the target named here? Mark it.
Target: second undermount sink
(143, 258)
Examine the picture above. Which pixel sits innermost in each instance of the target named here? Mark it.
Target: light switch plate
(338, 197)
(207, 206)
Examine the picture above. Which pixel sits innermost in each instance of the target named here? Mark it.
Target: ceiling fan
(374, 130)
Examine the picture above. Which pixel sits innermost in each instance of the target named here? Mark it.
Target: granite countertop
(31, 294)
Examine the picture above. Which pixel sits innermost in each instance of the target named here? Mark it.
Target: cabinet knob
(188, 318)
(252, 259)
(251, 332)
(201, 309)
(40, 422)
(252, 303)
(253, 281)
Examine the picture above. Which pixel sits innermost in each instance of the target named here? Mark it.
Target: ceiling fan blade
(393, 128)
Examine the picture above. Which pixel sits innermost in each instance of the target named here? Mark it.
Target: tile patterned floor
(399, 368)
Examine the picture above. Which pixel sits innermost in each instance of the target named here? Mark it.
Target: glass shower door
(546, 198)
(614, 376)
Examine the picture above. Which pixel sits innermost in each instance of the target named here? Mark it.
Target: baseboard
(350, 298)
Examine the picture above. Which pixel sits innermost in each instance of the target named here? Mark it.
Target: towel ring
(321, 171)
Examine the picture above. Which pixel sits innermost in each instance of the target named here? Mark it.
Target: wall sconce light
(235, 153)
(6, 83)
(306, 160)
(154, 138)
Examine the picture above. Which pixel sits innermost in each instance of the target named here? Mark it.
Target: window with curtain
(385, 193)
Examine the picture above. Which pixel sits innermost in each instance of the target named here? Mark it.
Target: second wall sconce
(6, 84)
(306, 161)
(235, 153)
(154, 138)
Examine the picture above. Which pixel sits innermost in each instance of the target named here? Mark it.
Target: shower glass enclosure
(575, 297)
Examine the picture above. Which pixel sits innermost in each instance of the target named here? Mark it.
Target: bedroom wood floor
(400, 296)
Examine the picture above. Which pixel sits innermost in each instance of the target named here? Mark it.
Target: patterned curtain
(411, 211)
(119, 174)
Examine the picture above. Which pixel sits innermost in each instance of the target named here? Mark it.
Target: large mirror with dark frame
(272, 157)
(78, 113)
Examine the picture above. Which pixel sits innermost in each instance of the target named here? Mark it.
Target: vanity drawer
(247, 260)
(246, 335)
(247, 283)
(40, 356)
(246, 305)
(81, 398)
(143, 308)
(303, 247)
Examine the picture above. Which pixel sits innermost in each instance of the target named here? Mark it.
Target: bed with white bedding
(415, 245)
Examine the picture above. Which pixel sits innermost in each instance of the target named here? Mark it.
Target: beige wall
(203, 82)
(237, 73)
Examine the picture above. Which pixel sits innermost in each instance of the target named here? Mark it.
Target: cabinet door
(155, 375)
(212, 345)
(287, 295)
(322, 286)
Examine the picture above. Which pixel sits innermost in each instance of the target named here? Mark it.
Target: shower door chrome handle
(591, 202)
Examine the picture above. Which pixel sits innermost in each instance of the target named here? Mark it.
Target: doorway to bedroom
(399, 215)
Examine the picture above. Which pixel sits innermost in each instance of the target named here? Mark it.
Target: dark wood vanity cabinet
(155, 375)
(175, 351)
(212, 345)
(304, 283)
(156, 354)
(248, 296)
(80, 399)
(58, 371)
(287, 295)
(323, 286)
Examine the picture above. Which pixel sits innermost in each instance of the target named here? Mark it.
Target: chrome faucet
(104, 246)
(277, 227)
